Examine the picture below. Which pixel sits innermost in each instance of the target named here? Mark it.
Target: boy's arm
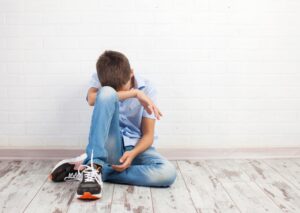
(122, 95)
(144, 143)
(146, 102)
(91, 95)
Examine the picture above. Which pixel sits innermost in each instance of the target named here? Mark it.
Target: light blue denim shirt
(131, 111)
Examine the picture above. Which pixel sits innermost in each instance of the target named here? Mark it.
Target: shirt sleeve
(94, 82)
(151, 92)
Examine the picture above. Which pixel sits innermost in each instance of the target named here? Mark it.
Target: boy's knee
(170, 174)
(106, 93)
(165, 176)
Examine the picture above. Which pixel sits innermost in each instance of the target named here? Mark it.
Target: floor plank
(4, 164)
(25, 182)
(53, 197)
(8, 170)
(102, 205)
(206, 191)
(127, 198)
(240, 185)
(280, 191)
(175, 198)
(297, 162)
(287, 168)
(246, 194)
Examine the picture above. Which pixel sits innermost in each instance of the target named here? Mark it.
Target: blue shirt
(131, 111)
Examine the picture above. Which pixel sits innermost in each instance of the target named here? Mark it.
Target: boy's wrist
(134, 152)
(133, 93)
(136, 92)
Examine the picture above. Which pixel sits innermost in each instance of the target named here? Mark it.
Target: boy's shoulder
(144, 84)
(94, 81)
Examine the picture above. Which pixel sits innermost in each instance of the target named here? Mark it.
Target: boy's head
(114, 70)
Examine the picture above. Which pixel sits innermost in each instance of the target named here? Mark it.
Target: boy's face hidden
(129, 83)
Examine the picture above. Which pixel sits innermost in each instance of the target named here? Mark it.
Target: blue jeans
(149, 168)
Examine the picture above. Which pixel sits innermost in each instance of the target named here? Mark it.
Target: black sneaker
(91, 185)
(67, 170)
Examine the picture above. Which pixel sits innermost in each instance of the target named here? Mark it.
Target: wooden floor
(270, 185)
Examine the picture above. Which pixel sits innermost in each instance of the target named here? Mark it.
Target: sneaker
(67, 170)
(91, 185)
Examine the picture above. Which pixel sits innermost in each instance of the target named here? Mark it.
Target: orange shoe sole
(88, 196)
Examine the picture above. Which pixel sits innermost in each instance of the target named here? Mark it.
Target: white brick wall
(228, 71)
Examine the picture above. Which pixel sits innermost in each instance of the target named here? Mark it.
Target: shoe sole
(89, 196)
(63, 165)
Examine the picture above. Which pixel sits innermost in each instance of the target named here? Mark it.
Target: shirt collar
(139, 82)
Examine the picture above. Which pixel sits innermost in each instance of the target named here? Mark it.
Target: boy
(122, 133)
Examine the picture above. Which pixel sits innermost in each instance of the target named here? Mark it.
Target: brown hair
(113, 69)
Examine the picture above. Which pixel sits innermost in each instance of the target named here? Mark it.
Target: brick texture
(227, 72)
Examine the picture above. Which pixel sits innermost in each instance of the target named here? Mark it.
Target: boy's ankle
(96, 166)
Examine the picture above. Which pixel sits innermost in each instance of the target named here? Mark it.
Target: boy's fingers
(160, 112)
(123, 165)
(123, 158)
(156, 113)
(149, 109)
(117, 167)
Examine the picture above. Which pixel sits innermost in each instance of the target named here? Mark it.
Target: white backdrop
(227, 72)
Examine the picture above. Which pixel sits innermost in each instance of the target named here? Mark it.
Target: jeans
(149, 168)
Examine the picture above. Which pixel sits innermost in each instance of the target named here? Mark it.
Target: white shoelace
(90, 173)
(74, 177)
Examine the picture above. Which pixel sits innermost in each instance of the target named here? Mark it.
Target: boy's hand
(126, 160)
(148, 105)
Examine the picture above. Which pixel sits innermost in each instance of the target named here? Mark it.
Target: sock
(97, 167)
